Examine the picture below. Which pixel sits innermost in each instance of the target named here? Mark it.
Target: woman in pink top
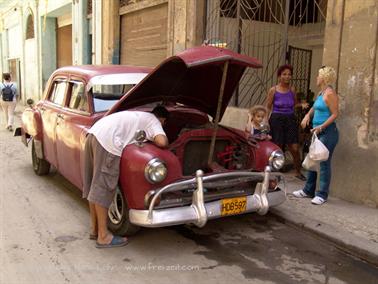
(281, 103)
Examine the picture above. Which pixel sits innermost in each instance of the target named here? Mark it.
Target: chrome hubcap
(117, 208)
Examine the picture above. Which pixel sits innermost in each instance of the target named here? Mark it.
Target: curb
(344, 240)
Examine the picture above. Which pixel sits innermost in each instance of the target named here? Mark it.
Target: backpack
(7, 93)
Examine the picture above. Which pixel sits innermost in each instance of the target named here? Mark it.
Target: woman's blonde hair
(328, 74)
(253, 110)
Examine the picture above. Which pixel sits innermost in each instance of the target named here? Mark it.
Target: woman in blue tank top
(281, 103)
(324, 113)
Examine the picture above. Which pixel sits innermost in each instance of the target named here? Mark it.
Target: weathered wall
(185, 25)
(11, 31)
(111, 32)
(31, 69)
(48, 49)
(351, 46)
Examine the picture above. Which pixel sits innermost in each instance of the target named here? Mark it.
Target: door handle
(60, 115)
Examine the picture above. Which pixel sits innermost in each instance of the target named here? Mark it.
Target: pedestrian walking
(323, 114)
(281, 103)
(8, 100)
(103, 148)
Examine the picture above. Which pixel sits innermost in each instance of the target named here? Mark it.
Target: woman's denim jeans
(329, 137)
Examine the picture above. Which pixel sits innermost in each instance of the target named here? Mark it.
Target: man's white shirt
(114, 132)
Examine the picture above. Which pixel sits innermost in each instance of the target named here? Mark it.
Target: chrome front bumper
(199, 212)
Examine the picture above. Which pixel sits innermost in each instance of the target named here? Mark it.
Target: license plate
(233, 206)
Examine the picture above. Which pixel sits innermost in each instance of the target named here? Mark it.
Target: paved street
(44, 239)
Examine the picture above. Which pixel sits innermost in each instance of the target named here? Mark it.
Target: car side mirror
(140, 136)
(30, 102)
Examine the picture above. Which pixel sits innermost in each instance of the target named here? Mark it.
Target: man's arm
(161, 140)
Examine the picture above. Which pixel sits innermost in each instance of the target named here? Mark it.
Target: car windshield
(105, 96)
(108, 89)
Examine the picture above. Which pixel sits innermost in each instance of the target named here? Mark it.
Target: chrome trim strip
(261, 191)
(198, 202)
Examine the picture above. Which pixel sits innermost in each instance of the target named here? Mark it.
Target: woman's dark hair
(283, 68)
(161, 112)
(6, 76)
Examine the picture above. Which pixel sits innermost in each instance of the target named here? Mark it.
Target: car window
(105, 96)
(78, 100)
(58, 92)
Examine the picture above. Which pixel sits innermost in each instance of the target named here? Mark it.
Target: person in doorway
(257, 122)
(281, 103)
(102, 154)
(323, 114)
(8, 91)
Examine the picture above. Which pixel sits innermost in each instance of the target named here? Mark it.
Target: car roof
(89, 71)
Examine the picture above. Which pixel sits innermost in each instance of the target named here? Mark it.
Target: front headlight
(155, 171)
(277, 160)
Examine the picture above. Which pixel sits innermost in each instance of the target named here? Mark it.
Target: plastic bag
(318, 151)
(310, 164)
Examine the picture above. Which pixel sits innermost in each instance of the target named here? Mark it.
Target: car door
(50, 110)
(71, 127)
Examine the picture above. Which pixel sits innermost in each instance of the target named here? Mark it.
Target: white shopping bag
(318, 151)
(310, 164)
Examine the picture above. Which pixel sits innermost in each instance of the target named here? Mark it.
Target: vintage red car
(208, 171)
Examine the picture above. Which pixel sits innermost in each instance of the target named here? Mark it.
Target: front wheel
(40, 166)
(118, 216)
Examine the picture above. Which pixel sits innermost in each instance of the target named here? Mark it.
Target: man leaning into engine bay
(102, 154)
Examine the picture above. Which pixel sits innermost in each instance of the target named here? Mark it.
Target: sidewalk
(351, 227)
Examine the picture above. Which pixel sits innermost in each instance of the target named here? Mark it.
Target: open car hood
(192, 78)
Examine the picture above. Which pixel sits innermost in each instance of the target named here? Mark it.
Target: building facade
(39, 36)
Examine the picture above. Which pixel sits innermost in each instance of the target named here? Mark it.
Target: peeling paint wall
(185, 25)
(351, 46)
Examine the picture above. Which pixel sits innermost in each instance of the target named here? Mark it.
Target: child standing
(256, 125)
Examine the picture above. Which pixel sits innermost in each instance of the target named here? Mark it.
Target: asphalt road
(44, 239)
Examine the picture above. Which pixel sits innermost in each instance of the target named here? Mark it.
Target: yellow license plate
(233, 206)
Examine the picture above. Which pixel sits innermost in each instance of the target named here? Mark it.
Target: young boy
(257, 125)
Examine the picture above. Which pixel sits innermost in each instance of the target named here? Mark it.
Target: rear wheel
(118, 216)
(40, 166)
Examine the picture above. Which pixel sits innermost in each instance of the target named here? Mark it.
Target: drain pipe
(216, 122)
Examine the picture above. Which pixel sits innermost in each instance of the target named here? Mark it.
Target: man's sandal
(117, 241)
